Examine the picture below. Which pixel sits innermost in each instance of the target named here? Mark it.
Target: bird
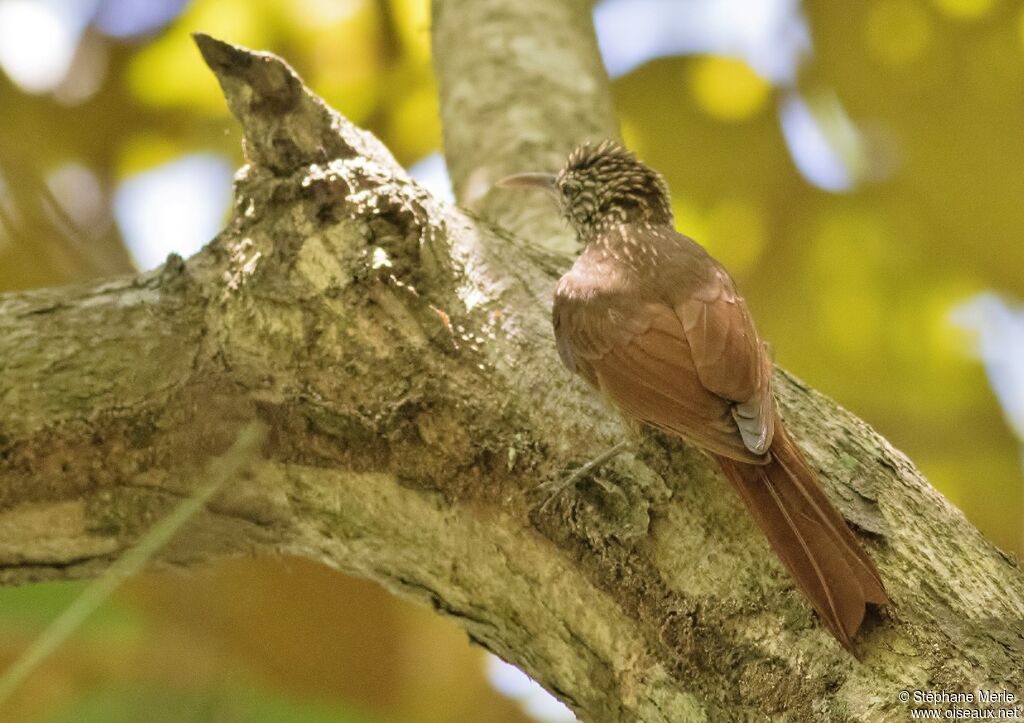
(656, 325)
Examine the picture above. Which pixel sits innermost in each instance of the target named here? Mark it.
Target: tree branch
(400, 355)
(521, 85)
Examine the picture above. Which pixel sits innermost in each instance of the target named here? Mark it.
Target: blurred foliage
(164, 705)
(854, 289)
(249, 640)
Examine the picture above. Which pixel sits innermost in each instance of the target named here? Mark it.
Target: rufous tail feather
(810, 536)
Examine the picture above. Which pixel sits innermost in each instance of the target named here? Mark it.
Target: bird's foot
(556, 486)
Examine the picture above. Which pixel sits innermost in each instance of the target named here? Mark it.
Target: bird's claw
(555, 487)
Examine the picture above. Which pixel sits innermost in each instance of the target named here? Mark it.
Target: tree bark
(399, 352)
(521, 84)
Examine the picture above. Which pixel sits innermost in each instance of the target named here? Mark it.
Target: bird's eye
(570, 189)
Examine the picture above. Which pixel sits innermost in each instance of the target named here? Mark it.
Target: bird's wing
(638, 354)
(727, 354)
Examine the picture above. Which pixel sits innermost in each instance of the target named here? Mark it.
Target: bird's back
(650, 319)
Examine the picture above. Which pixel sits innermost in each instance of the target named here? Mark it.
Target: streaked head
(602, 185)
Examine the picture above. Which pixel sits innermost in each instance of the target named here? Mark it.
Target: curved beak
(545, 181)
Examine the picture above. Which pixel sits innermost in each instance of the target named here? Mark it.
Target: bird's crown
(604, 184)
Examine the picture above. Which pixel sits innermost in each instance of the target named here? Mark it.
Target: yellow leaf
(965, 9)
(415, 128)
(412, 22)
(735, 233)
(143, 151)
(727, 88)
(897, 31)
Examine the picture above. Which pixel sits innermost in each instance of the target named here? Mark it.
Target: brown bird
(654, 323)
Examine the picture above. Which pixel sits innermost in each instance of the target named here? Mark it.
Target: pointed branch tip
(284, 123)
(218, 54)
